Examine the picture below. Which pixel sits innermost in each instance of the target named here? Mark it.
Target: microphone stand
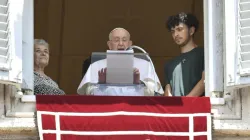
(151, 62)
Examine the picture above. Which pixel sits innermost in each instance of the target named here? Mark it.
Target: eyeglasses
(120, 40)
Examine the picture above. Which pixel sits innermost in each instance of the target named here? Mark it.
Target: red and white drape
(123, 118)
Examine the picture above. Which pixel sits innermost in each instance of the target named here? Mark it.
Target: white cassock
(148, 76)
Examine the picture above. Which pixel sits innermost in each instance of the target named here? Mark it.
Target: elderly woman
(43, 84)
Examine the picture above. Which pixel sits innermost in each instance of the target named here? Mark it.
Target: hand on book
(136, 76)
(102, 76)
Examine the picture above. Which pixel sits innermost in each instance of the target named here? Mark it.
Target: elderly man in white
(119, 39)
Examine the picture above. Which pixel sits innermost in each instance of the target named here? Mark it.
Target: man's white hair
(118, 28)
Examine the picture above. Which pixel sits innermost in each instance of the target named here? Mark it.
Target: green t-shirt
(185, 71)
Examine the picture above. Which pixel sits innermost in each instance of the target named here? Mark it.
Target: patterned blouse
(45, 85)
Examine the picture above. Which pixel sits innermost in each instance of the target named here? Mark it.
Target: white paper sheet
(120, 67)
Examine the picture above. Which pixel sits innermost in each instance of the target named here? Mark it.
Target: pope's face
(120, 40)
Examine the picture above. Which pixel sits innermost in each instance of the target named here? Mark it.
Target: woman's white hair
(41, 42)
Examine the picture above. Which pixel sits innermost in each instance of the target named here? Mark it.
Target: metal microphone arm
(151, 62)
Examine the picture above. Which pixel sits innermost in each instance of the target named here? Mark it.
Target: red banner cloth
(122, 117)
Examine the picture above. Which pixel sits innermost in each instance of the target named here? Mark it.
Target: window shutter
(4, 36)
(11, 40)
(237, 43)
(244, 37)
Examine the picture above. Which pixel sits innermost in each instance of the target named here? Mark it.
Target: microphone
(151, 62)
(137, 47)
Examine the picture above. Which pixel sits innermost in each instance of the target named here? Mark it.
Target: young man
(184, 75)
(119, 39)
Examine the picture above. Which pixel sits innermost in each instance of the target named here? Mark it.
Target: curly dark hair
(189, 19)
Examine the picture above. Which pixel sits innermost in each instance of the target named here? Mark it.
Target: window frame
(210, 50)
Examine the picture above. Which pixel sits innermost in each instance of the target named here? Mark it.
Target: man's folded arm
(167, 90)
